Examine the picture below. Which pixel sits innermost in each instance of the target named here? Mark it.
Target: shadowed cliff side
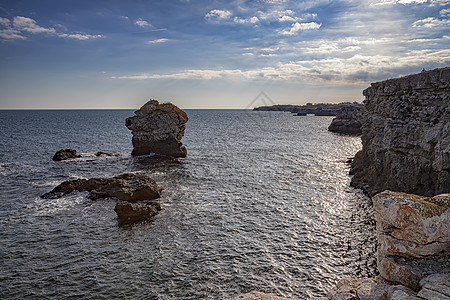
(406, 136)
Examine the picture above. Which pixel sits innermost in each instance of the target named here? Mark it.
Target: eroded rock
(131, 213)
(158, 128)
(125, 187)
(406, 136)
(347, 120)
(413, 233)
(65, 154)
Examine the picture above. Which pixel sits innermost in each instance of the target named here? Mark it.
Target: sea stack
(158, 128)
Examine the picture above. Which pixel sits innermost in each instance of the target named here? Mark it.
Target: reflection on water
(261, 203)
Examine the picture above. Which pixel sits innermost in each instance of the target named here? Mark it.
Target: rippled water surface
(262, 202)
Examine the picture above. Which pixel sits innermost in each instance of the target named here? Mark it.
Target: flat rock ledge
(347, 120)
(158, 128)
(134, 190)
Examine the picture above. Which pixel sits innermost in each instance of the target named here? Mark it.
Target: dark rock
(158, 128)
(347, 120)
(406, 136)
(64, 154)
(131, 213)
(100, 153)
(126, 187)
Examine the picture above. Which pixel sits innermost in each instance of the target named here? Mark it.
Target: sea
(262, 202)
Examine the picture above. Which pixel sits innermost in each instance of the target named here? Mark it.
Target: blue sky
(212, 54)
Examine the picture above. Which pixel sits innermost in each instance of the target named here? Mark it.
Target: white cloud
(124, 17)
(445, 12)
(440, 2)
(430, 22)
(30, 25)
(19, 26)
(142, 23)
(300, 26)
(11, 34)
(392, 2)
(80, 36)
(217, 14)
(252, 20)
(4, 21)
(157, 41)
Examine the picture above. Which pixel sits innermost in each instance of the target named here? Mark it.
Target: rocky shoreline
(406, 153)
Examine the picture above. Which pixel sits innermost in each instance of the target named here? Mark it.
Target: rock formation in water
(158, 128)
(131, 213)
(135, 191)
(65, 154)
(125, 187)
(406, 135)
(347, 120)
(413, 259)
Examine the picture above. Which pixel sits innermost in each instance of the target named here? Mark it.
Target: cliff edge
(406, 136)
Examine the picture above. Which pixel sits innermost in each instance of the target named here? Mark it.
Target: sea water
(262, 202)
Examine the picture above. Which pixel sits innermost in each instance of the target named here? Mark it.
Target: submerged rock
(131, 213)
(158, 128)
(406, 136)
(64, 154)
(125, 187)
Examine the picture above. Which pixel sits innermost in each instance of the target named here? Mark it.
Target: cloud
(392, 2)
(80, 36)
(142, 23)
(19, 26)
(30, 25)
(299, 27)
(430, 22)
(4, 21)
(353, 69)
(124, 17)
(252, 20)
(445, 12)
(157, 41)
(217, 15)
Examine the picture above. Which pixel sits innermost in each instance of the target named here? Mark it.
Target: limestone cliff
(406, 135)
(158, 128)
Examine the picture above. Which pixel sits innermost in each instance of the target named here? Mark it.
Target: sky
(212, 54)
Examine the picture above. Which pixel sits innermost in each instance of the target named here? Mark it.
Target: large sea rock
(126, 187)
(406, 136)
(65, 154)
(158, 128)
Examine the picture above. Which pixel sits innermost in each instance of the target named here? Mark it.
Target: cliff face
(158, 128)
(406, 135)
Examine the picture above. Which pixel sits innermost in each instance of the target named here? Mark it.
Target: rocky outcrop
(65, 154)
(158, 128)
(125, 187)
(347, 120)
(413, 258)
(131, 213)
(406, 136)
(413, 234)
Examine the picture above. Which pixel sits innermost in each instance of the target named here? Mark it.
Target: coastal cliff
(406, 136)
